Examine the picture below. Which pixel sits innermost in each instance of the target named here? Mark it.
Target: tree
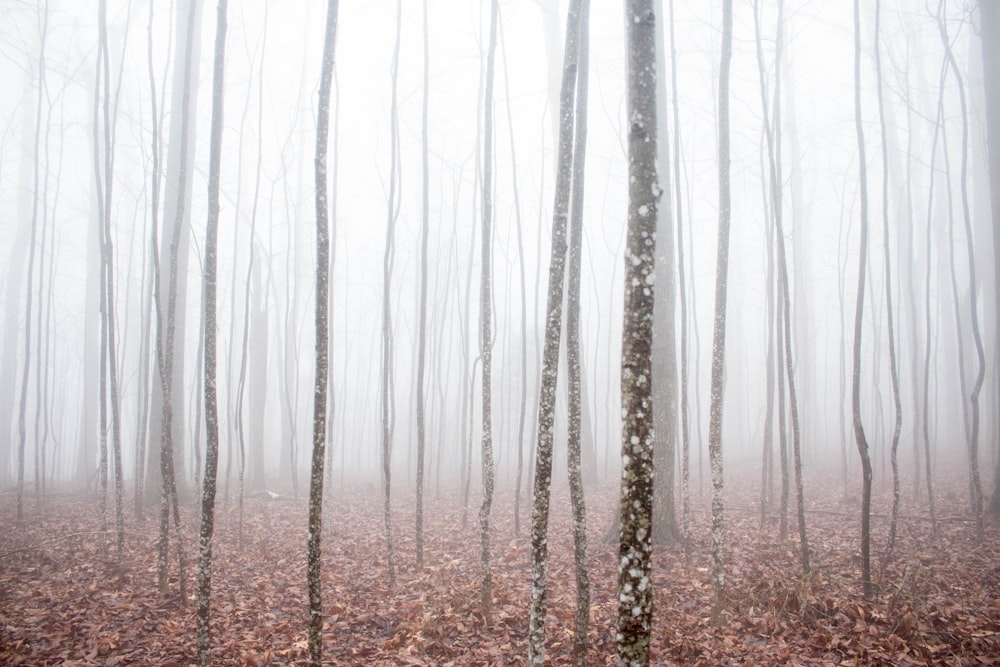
(322, 344)
(664, 329)
(890, 315)
(23, 404)
(485, 327)
(989, 18)
(635, 589)
(574, 383)
(209, 289)
(719, 329)
(859, 311)
(977, 491)
(388, 396)
(422, 327)
(553, 333)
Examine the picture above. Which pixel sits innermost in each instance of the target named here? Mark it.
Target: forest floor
(65, 601)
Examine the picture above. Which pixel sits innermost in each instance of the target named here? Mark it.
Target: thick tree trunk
(635, 589)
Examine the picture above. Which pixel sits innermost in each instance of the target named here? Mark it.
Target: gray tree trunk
(209, 290)
(859, 311)
(719, 329)
(635, 575)
(550, 354)
(322, 344)
(989, 18)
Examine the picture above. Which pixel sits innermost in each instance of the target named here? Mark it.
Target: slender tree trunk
(859, 310)
(890, 315)
(635, 589)
(553, 332)
(664, 326)
(719, 329)
(485, 330)
(573, 372)
(682, 289)
(23, 405)
(209, 290)
(387, 262)
(422, 330)
(322, 344)
(977, 491)
(989, 19)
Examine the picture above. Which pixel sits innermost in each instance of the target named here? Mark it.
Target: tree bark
(322, 343)
(550, 354)
(719, 329)
(635, 581)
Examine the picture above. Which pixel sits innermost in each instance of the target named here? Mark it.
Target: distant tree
(859, 311)
(635, 575)
(166, 323)
(23, 404)
(322, 344)
(890, 315)
(209, 289)
(719, 329)
(422, 327)
(681, 287)
(664, 327)
(976, 486)
(104, 173)
(989, 20)
(388, 396)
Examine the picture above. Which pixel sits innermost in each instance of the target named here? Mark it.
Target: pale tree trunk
(104, 173)
(523, 404)
(664, 328)
(682, 290)
(23, 404)
(859, 310)
(573, 371)
(422, 330)
(635, 574)
(209, 290)
(387, 262)
(550, 354)
(322, 344)
(977, 491)
(166, 326)
(773, 136)
(719, 329)
(485, 326)
(890, 315)
(989, 18)
(179, 175)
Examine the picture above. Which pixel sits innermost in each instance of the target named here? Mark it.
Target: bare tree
(388, 396)
(209, 289)
(989, 19)
(859, 310)
(23, 405)
(635, 580)
(573, 373)
(485, 327)
(422, 327)
(322, 343)
(553, 332)
(719, 329)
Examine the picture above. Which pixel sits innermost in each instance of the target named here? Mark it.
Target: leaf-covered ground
(63, 601)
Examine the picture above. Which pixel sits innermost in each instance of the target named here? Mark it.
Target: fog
(272, 69)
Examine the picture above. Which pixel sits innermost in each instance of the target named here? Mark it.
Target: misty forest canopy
(826, 227)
